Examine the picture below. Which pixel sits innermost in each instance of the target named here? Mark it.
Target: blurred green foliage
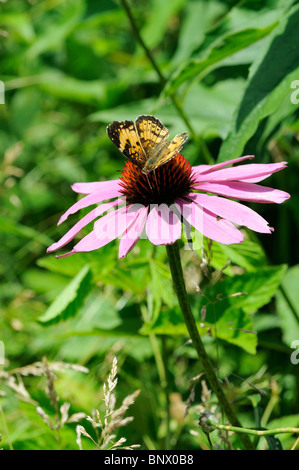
(69, 68)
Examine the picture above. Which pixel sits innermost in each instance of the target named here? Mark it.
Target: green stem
(256, 432)
(180, 288)
(197, 139)
(161, 363)
(141, 42)
(156, 350)
(166, 392)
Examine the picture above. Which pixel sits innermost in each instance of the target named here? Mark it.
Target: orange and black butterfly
(145, 142)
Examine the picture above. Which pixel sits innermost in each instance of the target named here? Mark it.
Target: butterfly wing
(167, 151)
(125, 137)
(152, 134)
(145, 143)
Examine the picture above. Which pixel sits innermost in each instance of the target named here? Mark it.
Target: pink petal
(163, 227)
(107, 228)
(273, 167)
(233, 211)
(200, 169)
(95, 187)
(206, 222)
(93, 198)
(91, 241)
(248, 173)
(132, 234)
(244, 191)
(82, 223)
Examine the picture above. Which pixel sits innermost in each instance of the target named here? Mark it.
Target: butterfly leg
(148, 181)
(156, 180)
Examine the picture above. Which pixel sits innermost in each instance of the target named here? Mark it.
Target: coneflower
(174, 193)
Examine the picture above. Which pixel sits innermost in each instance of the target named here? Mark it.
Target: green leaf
(276, 122)
(224, 47)
(63, 86)
(234, 327)
(161, 288)
(288, 305)
(45, 282)
(198, 17)
(227, 307)
(249, 255)
(70, 300)
(56, 31)
(124, 111)
(156, 27)
(209, 108)
(260, 286)
(11, 227)
(101, 262)
(269, 83)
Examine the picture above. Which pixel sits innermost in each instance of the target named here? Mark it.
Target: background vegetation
(223, 71)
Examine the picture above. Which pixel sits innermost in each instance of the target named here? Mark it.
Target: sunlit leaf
(69, 301)
(225, 47)
(287, 305)
(269, 84)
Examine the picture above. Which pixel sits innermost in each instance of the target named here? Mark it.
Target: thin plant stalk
(161, 363)
(209, 422)
(257, 432)
(166, 393)
(202, 146)
(180, 288)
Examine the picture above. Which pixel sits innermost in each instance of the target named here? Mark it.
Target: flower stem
(180, 288)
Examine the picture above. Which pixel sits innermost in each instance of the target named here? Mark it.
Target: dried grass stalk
(114, 418)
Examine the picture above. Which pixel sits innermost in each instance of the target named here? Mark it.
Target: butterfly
(145, 142)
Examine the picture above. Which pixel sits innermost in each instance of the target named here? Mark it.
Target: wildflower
(174, 193)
